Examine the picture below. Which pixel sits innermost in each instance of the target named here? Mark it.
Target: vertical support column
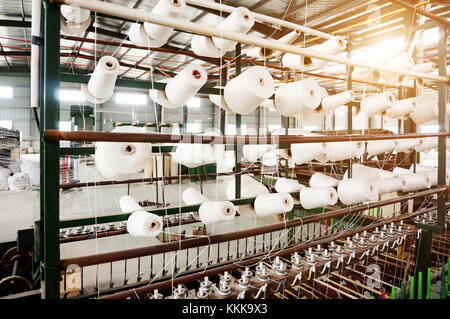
(349, 106)
(159, 117)
(285, 125)
(49, 195)
(423, 258)
(222, 112)
(238, 148)
(442, 90)
(185, 117)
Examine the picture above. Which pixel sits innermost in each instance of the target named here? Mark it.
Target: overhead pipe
(36, 41)
(260, 17)
(208, 30)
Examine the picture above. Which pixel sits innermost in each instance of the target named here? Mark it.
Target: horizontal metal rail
(145, 180)
(204, 241)
(91, 136)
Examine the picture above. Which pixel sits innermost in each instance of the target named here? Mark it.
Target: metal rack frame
(47, 234)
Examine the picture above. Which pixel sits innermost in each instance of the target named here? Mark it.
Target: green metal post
(402, 290)
(238, 148)
(419, 286)
(443, 284)
(428, 295)
(423, 259)
(393, 292)
(411, 287)
(50, 153)
(442, 88)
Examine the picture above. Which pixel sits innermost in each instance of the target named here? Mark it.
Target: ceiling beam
(421, 11)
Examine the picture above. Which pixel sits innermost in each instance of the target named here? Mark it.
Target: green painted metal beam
(238, 148)
(49, 195)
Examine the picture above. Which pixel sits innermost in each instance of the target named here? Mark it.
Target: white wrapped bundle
(213, 212)
(322, 180)
(269, 159)
(159, 34)
(337, 69)
(401, 171)
(333, 46)
(128, 204)
(74, 28)
(265, 53)
(254, 152)
(416, 181)
(371, 173)
(380, 147)
(138, 36)
(432, 176)
(332, 102)
(353, 191)
(121, 160)
(287, 185)
(432, 170)
(422, 168)
(245, 92)
(241, 20)
(361, 74)
(191, 196)
(389, 185)
(144, 224)
(406, 145)
(193, 155)
(339, 151)
(314, 116)
(400, 62)
(33, 170)
(140, 223)
(180, 89)
(292, 97)
(376, 104)
(426, 109)
(427, 144)
(273, 204)
(249, 188)
(305, 152)
(269, 104)
(18, 182)
(159, 96)
(424, 68)
(75, 14)
(296, 62)
(219, 100)
(102, 82)
(316, 197)
(204, 46)
(401, 108)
